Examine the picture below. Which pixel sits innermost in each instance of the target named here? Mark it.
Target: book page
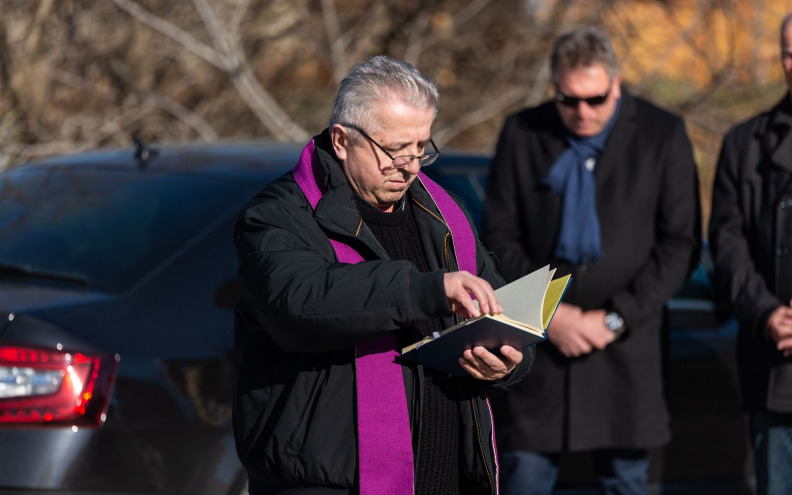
(519, 324)
(523, 299)
(555, 291)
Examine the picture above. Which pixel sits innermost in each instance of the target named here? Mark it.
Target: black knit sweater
(437, 451)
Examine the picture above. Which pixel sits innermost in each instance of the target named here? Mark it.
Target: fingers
(785, 346)
(779, 324)
(573, 349)
(460, 286)
(484, 365)
(461, 302)
(569, 340)
(785, 317)
(594, 330)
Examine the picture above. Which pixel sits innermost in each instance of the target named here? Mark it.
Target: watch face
(614, 321)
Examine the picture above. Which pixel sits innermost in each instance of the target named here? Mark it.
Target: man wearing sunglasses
(345, 260)
(602, 185)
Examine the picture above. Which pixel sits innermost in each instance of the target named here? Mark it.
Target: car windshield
(105, 229)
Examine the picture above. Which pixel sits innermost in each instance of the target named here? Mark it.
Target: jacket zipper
(481, 446)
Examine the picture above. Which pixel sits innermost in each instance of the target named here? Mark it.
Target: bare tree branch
(118, 126)
(418, 34)
(538, 88)
(236, 20)
(459, 20)
(171, 31)
(481, 114)
(337, 42)
(228, 56)
(683, 38)
(192, 119)
(88, 87)
(509, 96)
(258, 99)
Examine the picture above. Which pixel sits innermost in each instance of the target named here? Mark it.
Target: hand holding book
(528, 305)
(482, 364)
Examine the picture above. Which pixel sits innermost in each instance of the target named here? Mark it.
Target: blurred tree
(78, 74)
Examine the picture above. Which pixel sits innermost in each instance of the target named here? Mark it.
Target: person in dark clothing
(601, 185)
(349, 257)
(750, 234)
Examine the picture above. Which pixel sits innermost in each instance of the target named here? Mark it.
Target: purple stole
(385, 456)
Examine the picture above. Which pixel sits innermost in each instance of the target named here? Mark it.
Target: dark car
(117, 284)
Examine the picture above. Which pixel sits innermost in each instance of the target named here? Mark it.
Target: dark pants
(771, 438)
(619, 472)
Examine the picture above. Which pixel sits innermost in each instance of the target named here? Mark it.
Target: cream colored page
(522, 300)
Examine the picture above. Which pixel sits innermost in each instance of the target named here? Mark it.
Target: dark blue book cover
(529, 304)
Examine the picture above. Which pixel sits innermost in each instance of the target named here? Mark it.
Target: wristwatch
(615, 322)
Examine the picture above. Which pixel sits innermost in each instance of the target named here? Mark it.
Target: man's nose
(414, 166)
(583, 109)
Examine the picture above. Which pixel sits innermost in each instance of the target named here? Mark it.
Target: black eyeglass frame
(423, 160)
(574, 101)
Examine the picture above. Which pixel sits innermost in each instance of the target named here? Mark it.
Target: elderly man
(348, 257)
(603, 186)
(750, 234)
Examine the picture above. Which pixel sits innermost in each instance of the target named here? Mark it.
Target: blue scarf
(579, 240)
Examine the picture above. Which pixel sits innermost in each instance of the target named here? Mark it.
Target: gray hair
(379, 79)
(583, 47)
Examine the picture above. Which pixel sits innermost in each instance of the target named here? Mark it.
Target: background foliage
(79, 74)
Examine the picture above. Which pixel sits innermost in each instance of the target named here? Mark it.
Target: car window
(109, 227)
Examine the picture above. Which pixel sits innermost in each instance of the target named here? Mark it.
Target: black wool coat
(750, 235)
(648, 207)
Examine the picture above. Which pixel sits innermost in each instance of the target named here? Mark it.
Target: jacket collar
(776, 135)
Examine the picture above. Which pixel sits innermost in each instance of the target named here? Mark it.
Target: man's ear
(617, 86)
(340, 139)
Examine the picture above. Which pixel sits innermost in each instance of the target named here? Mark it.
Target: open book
(529, 304)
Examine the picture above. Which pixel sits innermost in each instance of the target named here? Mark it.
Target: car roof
(232, 159)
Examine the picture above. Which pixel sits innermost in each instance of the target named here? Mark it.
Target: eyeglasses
(572, 101)
(402, 161)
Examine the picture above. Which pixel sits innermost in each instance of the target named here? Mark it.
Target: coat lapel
(620, 141)
(776, 142)
(777, 137)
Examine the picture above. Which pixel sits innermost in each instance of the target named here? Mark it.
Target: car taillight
(45, 386)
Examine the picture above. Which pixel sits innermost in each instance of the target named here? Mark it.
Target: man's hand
(779, 328)
(484, 365)
(598, 333)
(459, 286)
(576, 333)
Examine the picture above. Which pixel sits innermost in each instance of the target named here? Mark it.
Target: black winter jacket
(301, 315)
(750, 235)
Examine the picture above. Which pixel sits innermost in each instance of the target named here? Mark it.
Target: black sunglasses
(572, 101)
